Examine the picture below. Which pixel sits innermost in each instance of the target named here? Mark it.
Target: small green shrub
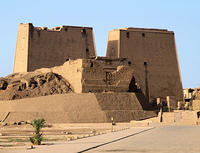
(37, 138)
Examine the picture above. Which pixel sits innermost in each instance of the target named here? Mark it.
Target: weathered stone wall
(76, 108)
(93, 75)
(196, 104)
(106, 75)
(21, 53)
(113, 44)
(44, 48)
(71, 71)
(153, 56)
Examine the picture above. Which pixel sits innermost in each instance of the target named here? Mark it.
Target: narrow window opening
(145, 63)
(108, 78)
(66, 29)
(143, 34)
(127, 34)
(87, 52)
(91, 64)
(198, 114)
(129, 63)
(83, 31)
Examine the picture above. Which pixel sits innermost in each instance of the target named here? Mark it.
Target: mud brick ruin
(140, 66)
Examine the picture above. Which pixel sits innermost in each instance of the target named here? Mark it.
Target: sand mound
(32, 84)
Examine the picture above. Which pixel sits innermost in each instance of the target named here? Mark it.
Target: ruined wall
(44, 48)
(71, 71)
(153, 56)
(106, 75)
(196, 104)
(95, 75)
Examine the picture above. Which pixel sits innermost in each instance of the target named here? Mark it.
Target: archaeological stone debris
(19, 86)
(58, 76)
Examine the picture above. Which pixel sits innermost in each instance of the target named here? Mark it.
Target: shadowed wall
(153, 56)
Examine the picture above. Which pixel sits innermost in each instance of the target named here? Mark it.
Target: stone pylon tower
(40, 47)
(152, 54)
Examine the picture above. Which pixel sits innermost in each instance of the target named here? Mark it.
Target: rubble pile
(26, 85)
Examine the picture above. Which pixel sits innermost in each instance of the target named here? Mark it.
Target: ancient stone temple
(58, 76)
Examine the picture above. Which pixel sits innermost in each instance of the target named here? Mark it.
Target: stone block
(171, 102)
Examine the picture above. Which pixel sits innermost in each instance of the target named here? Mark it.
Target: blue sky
(180, 16)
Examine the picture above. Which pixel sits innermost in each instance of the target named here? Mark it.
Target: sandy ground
(17, 136)
(161, 139)
(80, 145)
(164, 139)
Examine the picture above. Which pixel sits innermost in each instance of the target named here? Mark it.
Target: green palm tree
(37, 138)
